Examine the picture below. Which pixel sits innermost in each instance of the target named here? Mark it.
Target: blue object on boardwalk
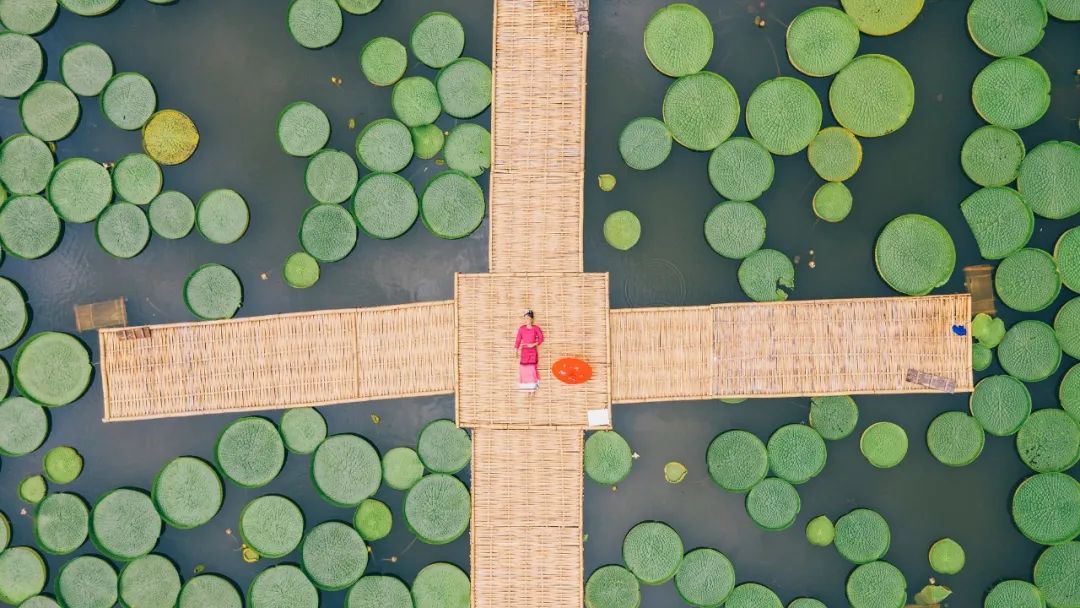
(959, 330)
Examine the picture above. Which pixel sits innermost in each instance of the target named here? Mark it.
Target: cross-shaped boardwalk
(527, 528)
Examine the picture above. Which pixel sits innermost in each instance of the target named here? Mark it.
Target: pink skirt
(528, 377)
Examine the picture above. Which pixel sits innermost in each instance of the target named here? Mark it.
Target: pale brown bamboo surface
(661, 354)
(572, 311)
(538, 137)
(110, 313)
(789, 349)
(279, 361)
(526, 548)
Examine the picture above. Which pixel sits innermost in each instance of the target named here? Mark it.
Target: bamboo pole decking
(537, 137)
(572, 309)
(789, 349)
(276, 362)
(527, 521)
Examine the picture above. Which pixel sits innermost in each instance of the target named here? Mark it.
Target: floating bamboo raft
(276, 362)
(789, 349)
(572, 310)
(538, 137)
(527, 518)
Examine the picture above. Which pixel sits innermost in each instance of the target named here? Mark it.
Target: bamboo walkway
(573, 309)
(276, 362)
(538, 138)
(788, 349)
(527, 518)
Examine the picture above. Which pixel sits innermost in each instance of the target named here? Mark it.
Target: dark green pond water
(231, 65)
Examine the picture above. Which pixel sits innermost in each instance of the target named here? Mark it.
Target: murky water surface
(231, 65)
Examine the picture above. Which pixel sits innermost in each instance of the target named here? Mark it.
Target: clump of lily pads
(385, 206)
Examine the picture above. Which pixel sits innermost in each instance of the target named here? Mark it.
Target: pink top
(528, 335)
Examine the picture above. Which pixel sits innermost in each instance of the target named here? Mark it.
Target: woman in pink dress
(529, 337)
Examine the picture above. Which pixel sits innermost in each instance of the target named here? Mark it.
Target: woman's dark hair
(529, 313)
